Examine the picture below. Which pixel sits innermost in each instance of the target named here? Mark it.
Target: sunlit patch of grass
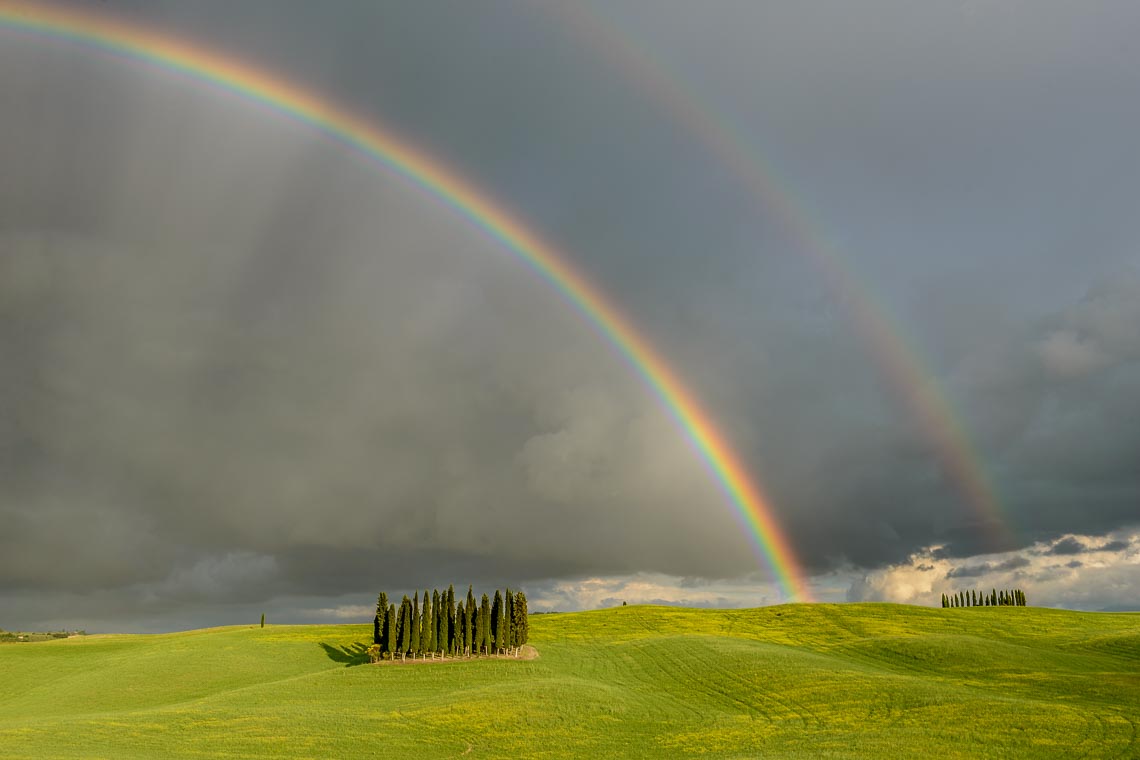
(791, 681)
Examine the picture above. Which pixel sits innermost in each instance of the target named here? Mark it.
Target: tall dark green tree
(431, 629)
(485, 625)
(496, 620)
(471, 616)
(388, 644)
(448, 601)
(476, 629)
(414, 637)
(460, 624)
(380, 619)
(438, 621)
(521, 625)
(509, 618)
(404, 628)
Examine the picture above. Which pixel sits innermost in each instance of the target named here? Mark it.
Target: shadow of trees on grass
(351, 655)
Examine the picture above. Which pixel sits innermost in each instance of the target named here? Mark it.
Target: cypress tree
(404, 627)
(470, 610)
(429, 621)
(521, 626)
(440, 623)
(509, 619)
(380, 620)
(476, 620)
(414, 638)
(944, 604)
(485, 625)
(388, 644)
(504, 629)
(449, 605)
(496, 621)
(460, 622)
(472, 617)
(466, 628)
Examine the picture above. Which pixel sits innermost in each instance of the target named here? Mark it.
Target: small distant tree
(263, 620)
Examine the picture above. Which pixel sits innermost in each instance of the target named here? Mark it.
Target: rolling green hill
(858, 680)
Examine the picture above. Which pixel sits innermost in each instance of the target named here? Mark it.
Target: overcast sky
(244, 370)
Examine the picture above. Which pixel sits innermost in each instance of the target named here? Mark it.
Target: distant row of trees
(441, 626)
(1008, 598)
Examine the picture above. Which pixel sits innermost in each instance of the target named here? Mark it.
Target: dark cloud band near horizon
(238, 367)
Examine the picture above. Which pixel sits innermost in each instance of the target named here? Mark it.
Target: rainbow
(118, 37)
(900, 362)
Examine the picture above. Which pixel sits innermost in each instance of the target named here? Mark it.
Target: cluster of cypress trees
(1010, 598)
(441, 626)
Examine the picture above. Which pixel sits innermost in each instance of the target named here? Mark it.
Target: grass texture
(796, 681)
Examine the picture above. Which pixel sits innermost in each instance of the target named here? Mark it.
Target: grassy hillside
(867, 680)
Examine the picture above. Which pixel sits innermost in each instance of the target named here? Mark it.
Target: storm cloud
(243, 368)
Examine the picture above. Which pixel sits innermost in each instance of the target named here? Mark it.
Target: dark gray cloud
(974, 571)
(1068, 545)
(238, 366)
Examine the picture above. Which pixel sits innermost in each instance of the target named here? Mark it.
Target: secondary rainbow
(899, 360)
(139, 43)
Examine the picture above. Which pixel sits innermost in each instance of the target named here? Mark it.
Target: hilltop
(812, 680)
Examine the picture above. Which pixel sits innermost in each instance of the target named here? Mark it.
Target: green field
(856, 680)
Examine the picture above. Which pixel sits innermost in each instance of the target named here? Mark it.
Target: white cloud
(344, 612)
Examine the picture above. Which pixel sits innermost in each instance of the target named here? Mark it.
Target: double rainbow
(146, 45)
(893, 351)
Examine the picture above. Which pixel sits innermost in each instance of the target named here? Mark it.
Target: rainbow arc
(367, 138)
